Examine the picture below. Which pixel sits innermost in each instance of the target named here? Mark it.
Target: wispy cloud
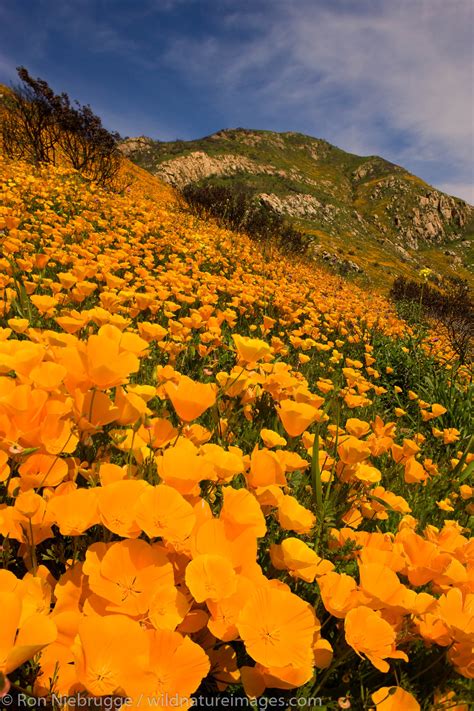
(375, 77)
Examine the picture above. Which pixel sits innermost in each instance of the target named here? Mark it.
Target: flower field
(221, 471)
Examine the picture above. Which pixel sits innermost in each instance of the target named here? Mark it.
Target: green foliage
(446, 301)
(236, 208)
(40, 126)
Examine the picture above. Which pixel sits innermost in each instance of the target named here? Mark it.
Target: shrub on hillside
(447, 301)
(38, 125)
(238, 209)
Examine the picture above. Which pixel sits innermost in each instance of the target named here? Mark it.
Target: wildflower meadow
(224, 472)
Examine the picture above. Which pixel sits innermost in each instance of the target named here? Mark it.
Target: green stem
(34, 562)
(316, 474)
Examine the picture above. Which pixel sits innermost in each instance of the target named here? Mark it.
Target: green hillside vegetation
(366, 216)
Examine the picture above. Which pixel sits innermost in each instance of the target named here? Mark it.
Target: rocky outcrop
(373, 167)
(132, 145)
(298, 205)
(198, 165)
(436, 218)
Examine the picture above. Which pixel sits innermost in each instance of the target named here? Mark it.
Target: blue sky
(387, 77)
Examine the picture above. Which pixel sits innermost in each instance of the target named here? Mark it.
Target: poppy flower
(210, 577)
(414, 471)
(241, 512)
(357, 428)
(74, 512)
(224, 613)
(383, 587)
(291, 460)
(182, 468)
(296, 417)
(161, 511)
(353, 451)
(250, 350)
(367, 473)
(126, 575)
(177, 666)
(107, 363)
(45, 304)
(167, 606)
(43, 470)
(338, 592)
(19, 325)
(394, 698)
(115, 510)
(292, 516)
(272, 439)
(104, 664)
(297, 557)
(371, 636)
(277, 627)
(323, 653)
(226, 464)
(21, 640)
(190, 399)
(265, 469)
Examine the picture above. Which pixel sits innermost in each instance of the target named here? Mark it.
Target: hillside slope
(365, 213)
(221, 471)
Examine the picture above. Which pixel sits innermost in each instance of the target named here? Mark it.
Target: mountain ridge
(363, 210)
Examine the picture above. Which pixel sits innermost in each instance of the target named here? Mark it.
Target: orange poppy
(265, 469)
(226, 464)
(104, 664)
(182, 468)
(126, 575)
(272, 439)
(177, 666)
(74, 512)
(241, 512)
(292, 516)
(107, 364)
(338, 592)
(167, 606)
(40, 470)
(115, 510)
(210, 577)
(225, 612)
(296, 417)
(371, 636)
(250, 350)
(394, 698)
(190, 399)
(21, 640)
(297, 557)
(352, 450)
(357, 428)
(277, 627)
(161, 511)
